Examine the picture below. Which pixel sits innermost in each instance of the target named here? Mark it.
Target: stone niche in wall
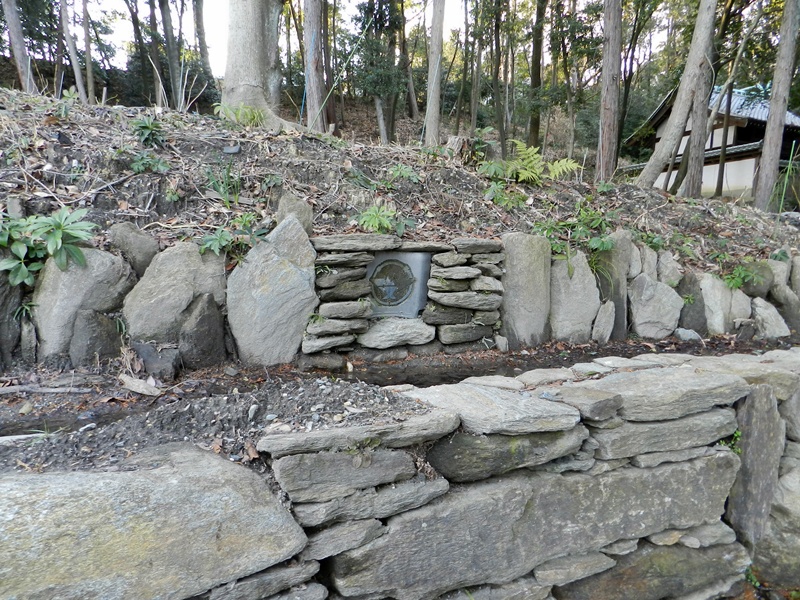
(379, 292)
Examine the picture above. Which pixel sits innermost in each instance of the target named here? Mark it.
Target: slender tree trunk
(297, 29)
(693, 184)
(133, 9)
(381, 121)
(200, 35)
(87, 41)
(407, 62)
(155, 57)
(498, 98)
(173, 60)
(781, 82)
(58, 75)
(609, 93)
(468, 50)
(73, 53)
(20, 52)
(536, 74)
(475, 96)
(433, 107)
(330, 105)
(317, 118)
(723, 148)
(676, 123)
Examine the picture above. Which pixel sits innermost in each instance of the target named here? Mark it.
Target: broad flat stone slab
(763, 435)
(371, 503)
(653, 459)
(589, 369)
(486, 284)
(414, 430)
(309, 591)
(328, 475)
(424, 246)
(495, 531)
(346, 290)
(464, 457)
(338, 538)
(567, 569)
(346, 310)
(619, 362)
(597, 405)
(267, 583)
(491, 410)
(449, 259)
(337, 327)
(470, 300)
(633, 438)
(448, 285)
(173, 529)
(671, 392)
(769, 322)
(621, 547)
(333, 277)
(656, 572)
(454, 272)
(777, 555)
(477, 245)
(524, 588)
(753, 370)
(538, 377)
(312, 344)
(706, 535)
(355, 242)
(496, 381)
(467, 332)
(396, 331)
(344, 259)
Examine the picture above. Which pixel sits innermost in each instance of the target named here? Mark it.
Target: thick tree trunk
(433, 107)
(250, 70)
(316, 118)
(173, 60)
(698, 53)
(781, 82)
(73, 53)
(330, 104)
(609, 93)
(536, 75)
(693, 183)
(18, 49)
(87, 41)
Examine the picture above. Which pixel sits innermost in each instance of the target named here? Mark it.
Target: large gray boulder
(761, 445)
(201, 340)
(612, 276)
(526, 302)
(501, 529)
(396, 331)
(769, 323)
(100, 286)
(157, 307)
(172, 529)
(693, 313)
(777, 556)
(717, 303)
(136, 246)
(94, 337)
(574, 299)
(655, 307)
(271, 296)
(10, 300)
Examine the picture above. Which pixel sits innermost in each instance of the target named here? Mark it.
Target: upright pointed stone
(612, 275)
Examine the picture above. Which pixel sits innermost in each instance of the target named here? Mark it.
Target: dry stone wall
(556, 484)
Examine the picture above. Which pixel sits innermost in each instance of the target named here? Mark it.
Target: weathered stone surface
(687, 335)
(492, 258)
(761, 282)
(448, 285)
(750, 368)
(656, 572)
(424, 246)
(201, 340)
(777, 556)
(396, 331)
(467, 332)
(271, 296)
(790, 411)
(612, 277)
(463, 457)
(589, 369)
(649, 261)
(59, 295)
(788, 305)
(653, 459)
(338, 538)
(371, 503)
(454, 272)
(166, 532)
(780, 271)
(567, 569)
(524, 588)
(136, 246)
(436, 314)
(693, 313)
(309, 591)
(635, 266)
(10, 301)
(604, 323)
(486, 284)
(271, 581)
(709, 534)
(346, 310)
(486, 317)
(717, 298)
(491, 410)
(369, 355)
(729, 587)
(336, 326)
(502, 528)
(346, 290)
(328, 475)
(162, 363)
(333, 277)
(668, 537)
(355, 242)
(450, 259)
(627, 364)
(470, 300)
(477, 245)
(526, 302)
(769, 323)
(498, 381)
(655, 308)
(669, 393)
(597, 405)
(312, 344)
(344, 259)
(574, 299)
(639, 438)
(94, 337)
(538, 377)
(414, 430)
(490, 270)
(669, 271)
(761, 443)
(740, 305)
(289, 204)
(621, 547)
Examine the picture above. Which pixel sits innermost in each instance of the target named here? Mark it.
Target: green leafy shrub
(147, 161)
(149, 131)
(226, 183)
(244, 115)
(740, 275)
(379, 219)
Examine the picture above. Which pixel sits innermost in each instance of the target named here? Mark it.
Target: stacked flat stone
(465, 291)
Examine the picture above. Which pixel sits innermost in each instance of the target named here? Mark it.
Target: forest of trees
(585, 73)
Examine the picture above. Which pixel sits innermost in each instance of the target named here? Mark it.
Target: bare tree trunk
(20, 52)
(316, 118)
(723, 149)
(475, 96)
(330, 105)
(498, 98)
(609, 93)
(433, 108)
(693, 184)
(298, 30)
(138, 39)
(468, 50)
(407, 62)
(155, 58)
(381, 121)
(536, 74)
(200, 34)
(698, 53)
(87, 41)
(781, 82)
(173, 61)
(73, 53)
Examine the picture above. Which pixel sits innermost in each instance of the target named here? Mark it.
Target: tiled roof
(750, 106)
